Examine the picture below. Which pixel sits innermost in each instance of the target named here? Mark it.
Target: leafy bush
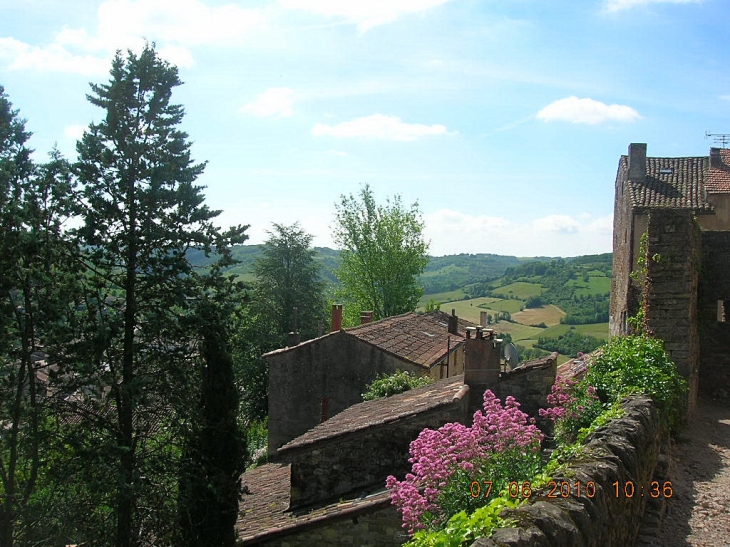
(639, 364)
(502, 445)
(386, 385)
(463, 529)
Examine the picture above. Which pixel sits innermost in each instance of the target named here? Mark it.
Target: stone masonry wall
(381, 527)
(672, 276)
(715, 334)
(625, 450)
(336, 367)
(529, 383)
(362, 459)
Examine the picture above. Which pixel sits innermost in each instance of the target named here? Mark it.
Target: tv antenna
(719, 138)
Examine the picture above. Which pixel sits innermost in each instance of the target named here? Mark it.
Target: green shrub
(386, 385)
(639, 364)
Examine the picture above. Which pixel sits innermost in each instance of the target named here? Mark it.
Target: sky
(503, 119)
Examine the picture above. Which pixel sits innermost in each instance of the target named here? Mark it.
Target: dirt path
(698, 514)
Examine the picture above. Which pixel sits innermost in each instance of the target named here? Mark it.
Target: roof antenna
(719, 138)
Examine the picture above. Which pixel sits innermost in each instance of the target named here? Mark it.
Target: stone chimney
(715, 158)
(453, 323)
(336, 317)
(481, 366)
(483, 318)
(366, 317)
(293, 338)
(637, 161)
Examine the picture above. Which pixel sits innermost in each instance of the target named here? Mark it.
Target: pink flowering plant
(502, 445)
(574, 405)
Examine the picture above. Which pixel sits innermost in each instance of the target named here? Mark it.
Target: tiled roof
(718, 179)
(420, 338)
(672, 183)
(263, 511)
(383, 410)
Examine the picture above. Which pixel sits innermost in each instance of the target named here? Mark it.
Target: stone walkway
(698, 513)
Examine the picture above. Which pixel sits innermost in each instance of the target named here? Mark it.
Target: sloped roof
(672, 183)
(384, 410)
(718, 179)
(420, 338)
(423, 339)
(263, 512)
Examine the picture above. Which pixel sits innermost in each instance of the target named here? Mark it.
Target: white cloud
(74, 132)
(52, 58)
(365, 14)
(618, 5)
(575, 110)
(276, 101)
(379, 126)
(452, 232)
(125, 24)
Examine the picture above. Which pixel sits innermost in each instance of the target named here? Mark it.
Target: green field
(599, 330)
(550, 315)
(520, 289)
(595, 285)
(470, 309)
(449, 296)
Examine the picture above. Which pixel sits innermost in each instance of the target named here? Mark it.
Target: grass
(595, 285)
(599, 330)
(449, 296)
(470, 309)
(550, 315)
(520, 289)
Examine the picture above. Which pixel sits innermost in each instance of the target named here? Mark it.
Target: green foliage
(637, 322)
(386, 385)
(257, 438)
(214, 452)
(383, 252)
(288, 277)
(462, 529)
(639, 364)
(571, 343)
(432, 305)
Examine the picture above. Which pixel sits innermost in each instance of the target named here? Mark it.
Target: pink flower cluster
(565, 401)
(436, 455)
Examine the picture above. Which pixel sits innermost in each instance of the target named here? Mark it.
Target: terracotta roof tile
(718, 179)
(263, 511)
(673, 183)
(420, 338)
(384, 410)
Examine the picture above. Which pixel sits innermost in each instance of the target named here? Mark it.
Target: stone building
(681, 206)
(312, 381)
(327, 487)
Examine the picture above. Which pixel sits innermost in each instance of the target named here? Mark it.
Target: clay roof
(263, 511)
(420, 338)
(672, 183)
(718, 179)
(384, 410)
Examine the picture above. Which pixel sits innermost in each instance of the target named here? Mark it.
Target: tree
(215, 453)
(288, 278)
(383, 252)
(34, 278)
(142, 212)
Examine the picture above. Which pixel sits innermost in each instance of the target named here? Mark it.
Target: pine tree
(142, 212)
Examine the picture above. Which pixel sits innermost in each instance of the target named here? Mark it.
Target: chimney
(336, 317)
(293, 339)
(715, 158)
(481, 366)
(366, 317)
(637, 161)
(453, 323)
(483, 318)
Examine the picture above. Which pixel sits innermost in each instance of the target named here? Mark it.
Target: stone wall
(381, 526)
(362, 459)
(321, 378)
(623, 234)
(624, 451)
(672, 276)
(529, 383)
(714, 294)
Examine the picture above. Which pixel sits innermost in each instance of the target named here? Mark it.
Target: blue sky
(505, 119)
